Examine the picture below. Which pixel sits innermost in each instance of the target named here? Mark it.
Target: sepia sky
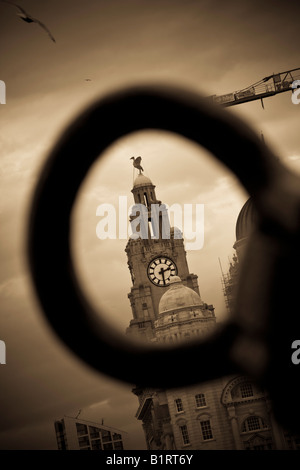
(210, 47)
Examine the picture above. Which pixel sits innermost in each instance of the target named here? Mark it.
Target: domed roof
(142, 180)
(178, 296)
(245, 221)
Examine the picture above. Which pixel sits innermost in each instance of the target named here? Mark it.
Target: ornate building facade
(228, 413)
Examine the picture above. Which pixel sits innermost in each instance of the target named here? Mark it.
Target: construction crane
(268, 86)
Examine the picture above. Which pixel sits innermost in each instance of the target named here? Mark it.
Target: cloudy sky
(211, 47)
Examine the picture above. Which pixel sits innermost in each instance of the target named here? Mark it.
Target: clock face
(160, 271)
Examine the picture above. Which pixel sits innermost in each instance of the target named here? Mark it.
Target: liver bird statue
(137, 163)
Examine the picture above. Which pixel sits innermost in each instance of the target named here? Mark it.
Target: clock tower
(225, 414)
(153, 259)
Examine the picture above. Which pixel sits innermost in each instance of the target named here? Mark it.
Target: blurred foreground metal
(257, 339)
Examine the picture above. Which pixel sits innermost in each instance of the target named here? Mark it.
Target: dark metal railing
(257, 338)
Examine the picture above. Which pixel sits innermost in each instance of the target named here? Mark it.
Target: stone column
(168, 435)
(235, 428)
(277, 432)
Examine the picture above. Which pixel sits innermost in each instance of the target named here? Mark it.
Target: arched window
(146, 199)
(253, 423)
(246, 390)
(243, 390)
(200, 400)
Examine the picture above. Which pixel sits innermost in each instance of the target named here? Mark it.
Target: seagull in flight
(28, 18)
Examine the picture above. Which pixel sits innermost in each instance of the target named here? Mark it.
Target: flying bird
(28, 18)
(137, 163)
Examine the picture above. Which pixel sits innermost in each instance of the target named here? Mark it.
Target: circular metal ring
(62, 300)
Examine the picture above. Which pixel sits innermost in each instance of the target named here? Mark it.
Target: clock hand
(167, 269)
(162, 273)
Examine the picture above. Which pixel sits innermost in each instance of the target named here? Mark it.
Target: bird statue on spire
(137, 164)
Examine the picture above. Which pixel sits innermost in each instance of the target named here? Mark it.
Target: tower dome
(144, 191)
(178, 296)
(182, 314)
(245, 221)
(142, 180)
(244, 226)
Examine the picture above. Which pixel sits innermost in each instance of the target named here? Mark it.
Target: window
(106, 436)
(96, 444)
(94, 432)
(246, 390)
(81, 429)
(179, 405)
(206, 430)
(151, 231)
(200, 400)
(259, 443)
(184, 434)
(118, 445)
(83, 441)
(108, 446)
(253, 423)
